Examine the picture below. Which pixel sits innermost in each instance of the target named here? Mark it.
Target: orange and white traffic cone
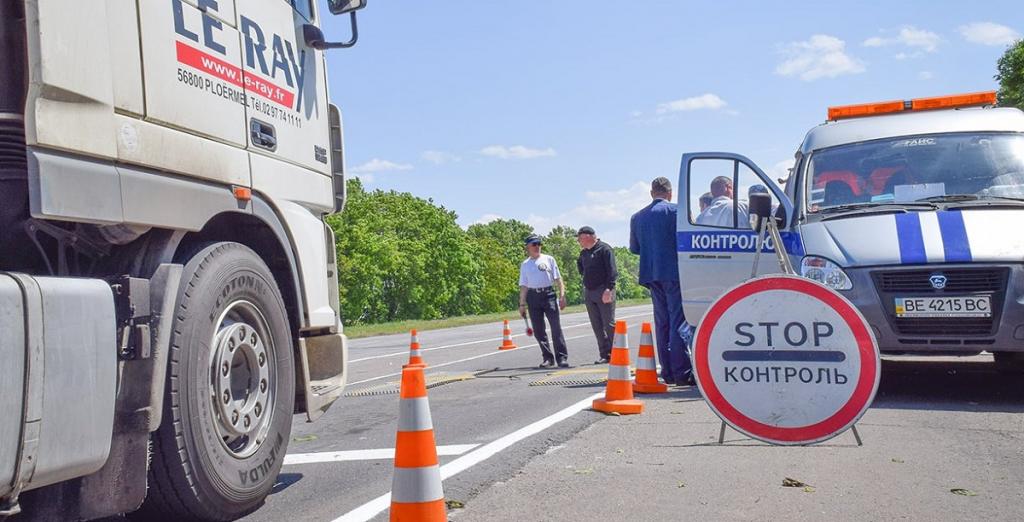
(506, 338)
(415, 356)
(646, 369)
(618, 394)
(416, 492)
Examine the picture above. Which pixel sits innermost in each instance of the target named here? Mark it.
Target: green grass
(370, 330)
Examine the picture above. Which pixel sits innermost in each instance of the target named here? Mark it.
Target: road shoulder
(666, 464)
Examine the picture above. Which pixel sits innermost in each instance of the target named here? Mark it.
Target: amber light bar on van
(917, 104)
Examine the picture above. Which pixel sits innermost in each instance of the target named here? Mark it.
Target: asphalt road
(482, 403)
(516, 451)
(943, 440)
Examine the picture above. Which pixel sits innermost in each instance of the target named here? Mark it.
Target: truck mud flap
(322, 363)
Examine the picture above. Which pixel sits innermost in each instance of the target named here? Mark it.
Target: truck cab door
(287, 114)
(193, 85)
(716, 247)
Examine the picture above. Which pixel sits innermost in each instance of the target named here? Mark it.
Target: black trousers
(602, 320)
(545, 304)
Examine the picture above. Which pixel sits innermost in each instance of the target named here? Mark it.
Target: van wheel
(230, 391)
(1009, 362)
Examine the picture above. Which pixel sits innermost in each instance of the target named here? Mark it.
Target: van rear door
(716, 247)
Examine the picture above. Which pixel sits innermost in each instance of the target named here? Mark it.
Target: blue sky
(561, 112)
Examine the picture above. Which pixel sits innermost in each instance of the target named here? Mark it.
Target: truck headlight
(825, 272)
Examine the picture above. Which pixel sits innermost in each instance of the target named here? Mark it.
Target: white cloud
(516, 152)
(695, 103)
(607, 211)
(988, 33)
(487, 218)
(925, 75)
(876, 41)
(379, 165)
(438, 157)
(780, 170)
(822, 56)
(908, 36)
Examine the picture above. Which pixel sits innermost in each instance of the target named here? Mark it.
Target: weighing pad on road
(389, 388)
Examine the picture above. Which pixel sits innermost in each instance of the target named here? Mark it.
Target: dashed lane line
(467, 343)
(449, 363)
(374, 507)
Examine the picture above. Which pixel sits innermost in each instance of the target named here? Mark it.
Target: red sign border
(846, 416)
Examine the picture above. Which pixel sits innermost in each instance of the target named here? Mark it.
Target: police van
(912, 210)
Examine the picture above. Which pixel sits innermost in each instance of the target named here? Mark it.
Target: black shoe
(687, 381)
(603, 360)
(547, 364)
(563, 364)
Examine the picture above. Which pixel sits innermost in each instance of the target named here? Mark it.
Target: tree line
(403, 257)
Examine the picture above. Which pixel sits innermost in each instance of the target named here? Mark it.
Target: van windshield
(910, 169)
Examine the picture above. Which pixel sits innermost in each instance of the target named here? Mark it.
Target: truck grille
(961, 280)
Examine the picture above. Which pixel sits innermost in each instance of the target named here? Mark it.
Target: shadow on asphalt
(949, 385)
(284, 481)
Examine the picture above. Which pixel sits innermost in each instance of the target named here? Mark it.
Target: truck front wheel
(230, 391)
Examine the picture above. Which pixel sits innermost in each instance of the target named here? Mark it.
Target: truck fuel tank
(58, 373)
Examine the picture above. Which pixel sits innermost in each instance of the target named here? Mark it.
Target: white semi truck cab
(168, 287)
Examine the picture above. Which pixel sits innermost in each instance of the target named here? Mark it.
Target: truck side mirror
(315, 38)
(338, 7)
(760, 208)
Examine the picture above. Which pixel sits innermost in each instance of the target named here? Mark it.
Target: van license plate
(966, 306)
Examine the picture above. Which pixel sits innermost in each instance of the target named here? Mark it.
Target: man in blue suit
(652, 235)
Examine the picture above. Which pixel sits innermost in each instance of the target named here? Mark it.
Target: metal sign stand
(770, 228)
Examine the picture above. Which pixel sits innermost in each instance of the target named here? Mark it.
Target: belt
(541, 290)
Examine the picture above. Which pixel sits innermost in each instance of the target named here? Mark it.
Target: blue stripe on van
(908, 233)
(954, 237)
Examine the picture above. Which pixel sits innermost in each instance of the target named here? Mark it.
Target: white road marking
(493, 340)
(488, 354)
(374, 507)
(367, 454)
(449, 363)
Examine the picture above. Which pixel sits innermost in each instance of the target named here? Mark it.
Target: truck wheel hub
(242, 373)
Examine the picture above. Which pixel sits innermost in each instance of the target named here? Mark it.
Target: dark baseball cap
(532, 239)
(586, 230)
(661, 185)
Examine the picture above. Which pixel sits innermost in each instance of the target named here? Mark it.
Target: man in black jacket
(597, 266)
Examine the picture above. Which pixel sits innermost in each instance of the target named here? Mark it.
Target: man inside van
(722, 210)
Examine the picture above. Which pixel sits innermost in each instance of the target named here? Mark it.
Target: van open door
(715, 243)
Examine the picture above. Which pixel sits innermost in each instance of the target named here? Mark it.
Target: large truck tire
(230, 391)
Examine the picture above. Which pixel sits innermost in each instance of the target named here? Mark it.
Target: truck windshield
(909, 169)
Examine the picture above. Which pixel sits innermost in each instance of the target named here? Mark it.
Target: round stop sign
(786, 360)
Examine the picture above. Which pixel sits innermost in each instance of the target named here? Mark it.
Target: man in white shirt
(722, 212)
(538, 276)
